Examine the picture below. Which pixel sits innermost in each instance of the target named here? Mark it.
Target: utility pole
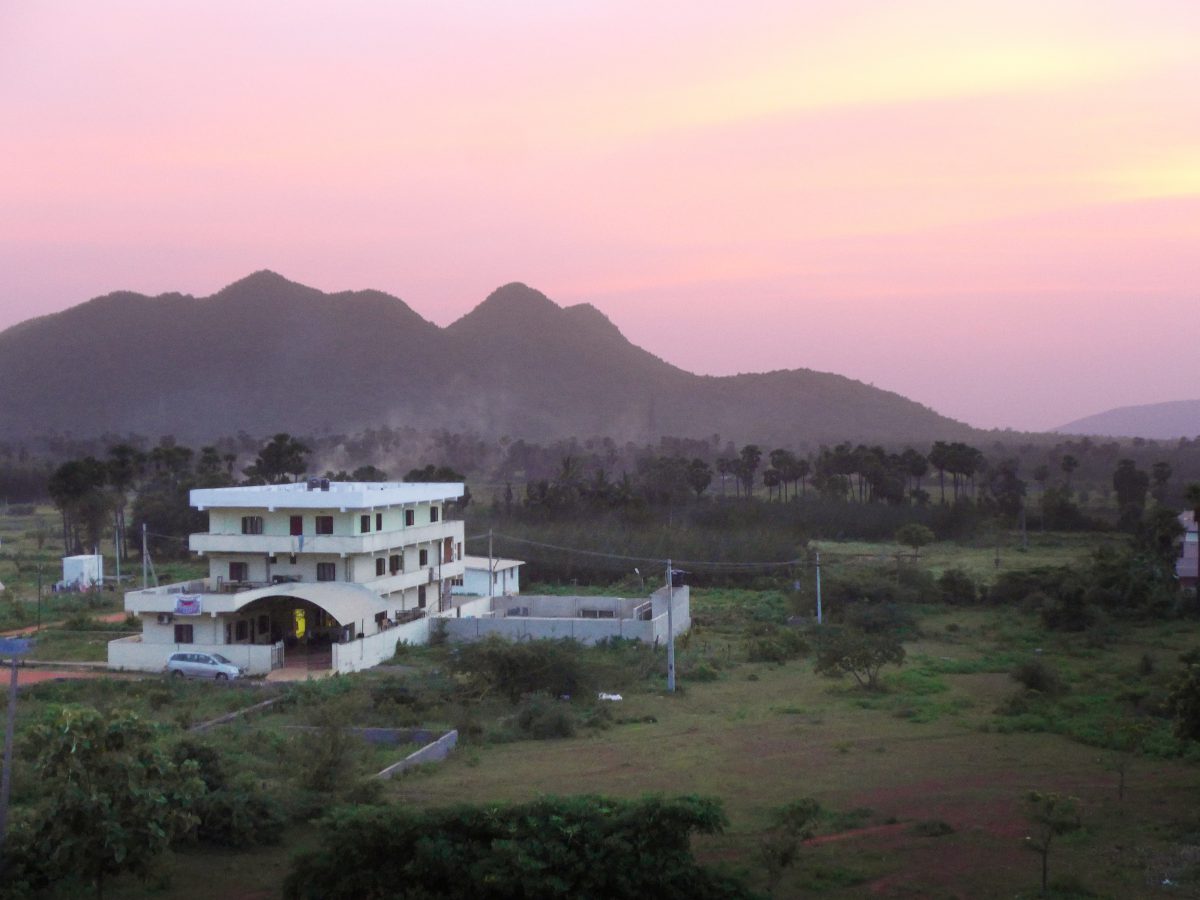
(819, 587)
(6, 777)
(670, 629)
(491, 567)
(39, 571)
(145, 560)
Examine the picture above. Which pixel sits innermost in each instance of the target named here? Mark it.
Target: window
(239, 571)
(324, 524)
(183, 634)
(433, 514)
(395, 563)
(326, 571)
(296, 525)
(380, 565)
(243, 630)
(424, 558)
(379, 521)
(251, 524)
(364, 523)
(410, 517)
(421, 596)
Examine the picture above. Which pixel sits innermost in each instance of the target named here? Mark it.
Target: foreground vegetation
(919, 786)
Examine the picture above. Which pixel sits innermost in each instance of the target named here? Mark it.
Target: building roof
(481, 562)
(341, 495)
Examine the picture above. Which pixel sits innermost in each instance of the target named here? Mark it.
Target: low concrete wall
(430, 753)
(589, 631)
(365, 653)
(134, 654)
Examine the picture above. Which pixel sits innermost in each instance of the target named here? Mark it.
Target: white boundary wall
(134, 654)
(365, 653)
(589, 631)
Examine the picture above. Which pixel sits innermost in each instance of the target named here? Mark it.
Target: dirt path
(32, 629)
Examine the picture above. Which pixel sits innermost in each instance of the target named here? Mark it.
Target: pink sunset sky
(991, 208)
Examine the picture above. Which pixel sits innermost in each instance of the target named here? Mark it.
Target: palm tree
(751, 455)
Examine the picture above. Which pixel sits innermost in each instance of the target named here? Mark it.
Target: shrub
(775, 644)
(518, 668)
(881, 618)
(1035, 675)
(863, 655)
(241, 815)
(957, 587)
(543, 718)
(931, 828)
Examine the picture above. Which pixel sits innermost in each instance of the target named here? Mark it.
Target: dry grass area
(765, 735)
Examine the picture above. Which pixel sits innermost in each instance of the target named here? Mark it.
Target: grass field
(922, 783)
(932, 748)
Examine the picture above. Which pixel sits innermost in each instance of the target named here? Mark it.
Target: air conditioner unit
(165, 618)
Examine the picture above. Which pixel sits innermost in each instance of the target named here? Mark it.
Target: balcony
(340, 545)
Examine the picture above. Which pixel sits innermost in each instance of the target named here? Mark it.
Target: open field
(922, 782)
(931, 748)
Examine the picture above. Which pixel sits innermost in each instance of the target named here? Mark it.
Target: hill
(1158, 421)
(266, 354)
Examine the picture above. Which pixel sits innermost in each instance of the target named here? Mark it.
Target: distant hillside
(266, 354)
(1160, 421)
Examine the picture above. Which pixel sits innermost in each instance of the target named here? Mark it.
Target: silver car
(202, 665)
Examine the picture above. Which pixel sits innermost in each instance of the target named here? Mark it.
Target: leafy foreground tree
(114, 801)
(843, 651)
(586, 848)
(1050, 815)
(780, 847)
(915, 536)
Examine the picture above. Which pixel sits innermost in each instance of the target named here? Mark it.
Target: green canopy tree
(115, 800)
(1050, 815)
(585, 847)
(914, 535)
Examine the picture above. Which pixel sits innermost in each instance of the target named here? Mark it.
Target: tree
(850, 651)
(914, 535)
(1160, 474)
(699, 476)
(1184, 701)
(1068, 464)
(940, 458)
(750, 457)
(280, 457)
(115, 799)
(1131, 485)
(584, 846)
(781, 845)
(1125, 739)
(1051, 815)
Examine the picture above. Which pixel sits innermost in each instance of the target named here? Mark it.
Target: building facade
(1189, 552)
(306, 568)
(494, 577)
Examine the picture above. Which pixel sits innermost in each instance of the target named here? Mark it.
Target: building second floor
(343, 518)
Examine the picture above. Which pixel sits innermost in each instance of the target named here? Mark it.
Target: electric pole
(670, 629)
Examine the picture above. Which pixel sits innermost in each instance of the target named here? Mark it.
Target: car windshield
(219, 658)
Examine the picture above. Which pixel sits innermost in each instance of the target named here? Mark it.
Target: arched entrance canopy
(347, 603)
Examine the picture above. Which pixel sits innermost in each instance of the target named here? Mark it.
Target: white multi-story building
(329, 570)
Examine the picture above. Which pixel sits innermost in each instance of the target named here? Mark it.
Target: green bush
(543, 718)
(773, 644)
(517, 668)
(1035, 675)
(957, 587)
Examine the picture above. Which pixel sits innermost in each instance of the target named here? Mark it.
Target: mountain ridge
(267, 354)
(1157, 421)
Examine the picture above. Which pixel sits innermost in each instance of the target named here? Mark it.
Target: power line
(713, 564)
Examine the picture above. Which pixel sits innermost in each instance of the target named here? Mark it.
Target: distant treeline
(687, 499)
